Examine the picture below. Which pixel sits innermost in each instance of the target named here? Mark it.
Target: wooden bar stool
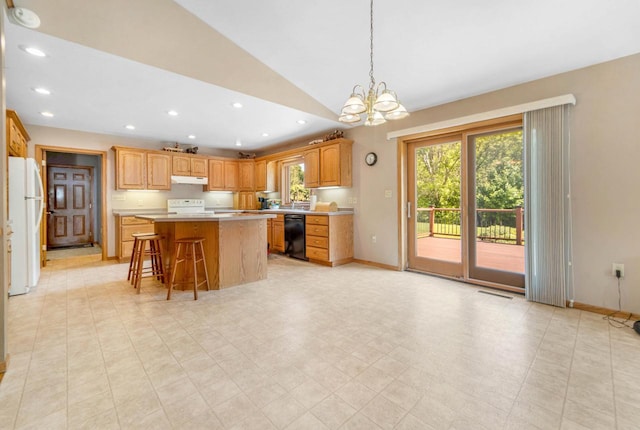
(185, 252)
(139, 254)
(134, 254)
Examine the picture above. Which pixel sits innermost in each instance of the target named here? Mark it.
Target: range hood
(195, 180)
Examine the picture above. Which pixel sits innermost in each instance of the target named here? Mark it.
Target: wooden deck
(500, 256)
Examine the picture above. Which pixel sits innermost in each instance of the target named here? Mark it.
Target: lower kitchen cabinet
(277, 239)
(269, 234)
(329, 239)
(125, 227)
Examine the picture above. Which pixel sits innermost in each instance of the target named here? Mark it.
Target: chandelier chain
(373, 81)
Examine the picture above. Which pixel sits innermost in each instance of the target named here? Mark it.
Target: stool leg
(139, 265)
(133, 255)
(195, 272)
(204, 264)
(160, 262)
(176, 256)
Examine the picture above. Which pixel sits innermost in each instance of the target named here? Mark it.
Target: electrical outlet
(140, 202)
(355, 200)
(373, 238)
(617, 266)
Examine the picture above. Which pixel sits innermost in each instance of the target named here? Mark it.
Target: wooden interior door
(69, 215)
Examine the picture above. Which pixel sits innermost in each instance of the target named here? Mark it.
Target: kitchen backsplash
(157, 200)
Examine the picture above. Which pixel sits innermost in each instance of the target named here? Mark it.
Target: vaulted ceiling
(114, 63)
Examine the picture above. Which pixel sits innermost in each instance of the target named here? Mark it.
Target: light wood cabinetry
(245, 200)
(231, 175)
(184, 165)
(131, 168)
(246, 175)
(329, 239)
(216, 175)
(125, 227)
(266, 176)
(158, 171)
(277, 239)
(329, 165)
(312, 168)
(17, 136)
(269, 234)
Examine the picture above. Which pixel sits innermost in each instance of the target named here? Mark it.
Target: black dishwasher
(294, 236)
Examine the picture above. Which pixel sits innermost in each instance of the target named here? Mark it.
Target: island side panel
(179, 230)
(243, 252)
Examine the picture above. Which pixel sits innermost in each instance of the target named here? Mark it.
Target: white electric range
(186, 206)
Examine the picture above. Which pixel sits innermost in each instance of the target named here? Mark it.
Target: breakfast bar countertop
(206, 216)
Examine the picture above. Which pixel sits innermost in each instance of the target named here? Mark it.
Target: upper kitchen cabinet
(223, 175)
(158, 171)
(131, 169)
(246, 175)
(328, 165)
(265, 175)
(184, 165)
(17, 136)
(312, 168)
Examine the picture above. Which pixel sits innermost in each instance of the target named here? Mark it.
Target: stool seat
(189, 250)
(137, 271)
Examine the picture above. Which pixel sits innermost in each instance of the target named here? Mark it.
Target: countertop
(207, 217)
(145, 212)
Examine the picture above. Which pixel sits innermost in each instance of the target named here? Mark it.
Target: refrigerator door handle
(40, 197)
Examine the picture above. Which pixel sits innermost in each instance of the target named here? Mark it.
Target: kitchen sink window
(293, 189)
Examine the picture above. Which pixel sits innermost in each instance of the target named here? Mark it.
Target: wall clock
(371, 158)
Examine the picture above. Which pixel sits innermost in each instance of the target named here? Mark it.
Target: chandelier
(379, 103)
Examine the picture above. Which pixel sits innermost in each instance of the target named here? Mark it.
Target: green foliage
(297, 191)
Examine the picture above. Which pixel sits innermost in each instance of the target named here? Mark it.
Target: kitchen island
(235, 244)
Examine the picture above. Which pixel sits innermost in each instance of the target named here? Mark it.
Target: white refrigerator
(25, 214)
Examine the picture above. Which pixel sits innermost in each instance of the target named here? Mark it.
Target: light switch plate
(387, 194)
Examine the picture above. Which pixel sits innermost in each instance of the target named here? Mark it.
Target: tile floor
(351, 347)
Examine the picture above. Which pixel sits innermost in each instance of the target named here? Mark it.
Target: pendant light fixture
(379, 103)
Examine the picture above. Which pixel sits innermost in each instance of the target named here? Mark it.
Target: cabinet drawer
(318, 219)
(317, 253)
(318, 230)
(133, 220)
(128, 230)
(318, 242)
(279, 217)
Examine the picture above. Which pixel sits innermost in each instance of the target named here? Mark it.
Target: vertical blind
(547, 221)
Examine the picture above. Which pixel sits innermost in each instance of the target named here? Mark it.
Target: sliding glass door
(465, 205)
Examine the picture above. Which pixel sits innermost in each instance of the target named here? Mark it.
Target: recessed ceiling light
(130, 127)
(192, 136)
(41, 90)
(237, 105)
(265, 134)
(301, 121)
(34, 51)
(238, 143)
(173, 113)
(47, 114)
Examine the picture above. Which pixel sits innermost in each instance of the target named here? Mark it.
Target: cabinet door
(246, 175)
(199, 167)
(158, 171)
(181, 165)
(312, 169)
(231, 175)
(278, 236)
(247, 200)
(261, 175)
(131, 169)
(216, 175)
(330, 165)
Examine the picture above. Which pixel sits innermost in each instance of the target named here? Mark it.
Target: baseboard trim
(603, 311)
(374, 264)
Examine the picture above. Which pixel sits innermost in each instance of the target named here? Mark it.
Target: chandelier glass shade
(379, 103)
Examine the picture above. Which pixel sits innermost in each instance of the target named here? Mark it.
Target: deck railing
(496, 225)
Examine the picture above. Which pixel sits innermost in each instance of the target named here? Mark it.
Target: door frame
(91, 196)
(403, 175)
(40, 155)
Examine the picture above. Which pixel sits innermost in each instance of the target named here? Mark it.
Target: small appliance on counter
(264, 203)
